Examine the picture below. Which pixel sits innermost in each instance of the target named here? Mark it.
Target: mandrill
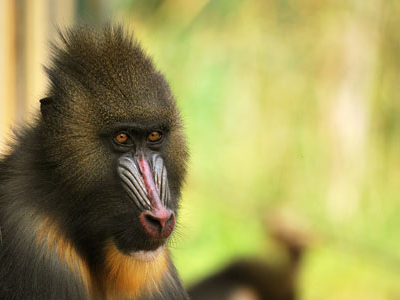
(89, 193)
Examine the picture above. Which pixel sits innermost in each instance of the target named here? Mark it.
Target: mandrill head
(114, 142)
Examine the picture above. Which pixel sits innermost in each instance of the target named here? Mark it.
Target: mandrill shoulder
(30, 267)
(36, 262)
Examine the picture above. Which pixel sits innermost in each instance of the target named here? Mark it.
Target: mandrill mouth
(146, 183)
(147, 255)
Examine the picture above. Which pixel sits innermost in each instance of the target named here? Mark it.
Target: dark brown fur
(61, 202)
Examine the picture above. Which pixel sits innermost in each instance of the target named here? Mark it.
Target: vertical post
(7, 68)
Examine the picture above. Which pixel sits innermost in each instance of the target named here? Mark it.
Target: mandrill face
(144, 178)
(114, 138)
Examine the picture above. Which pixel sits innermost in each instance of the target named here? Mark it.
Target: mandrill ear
(45, 106)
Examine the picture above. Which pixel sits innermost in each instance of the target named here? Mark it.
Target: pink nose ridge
(158, 224)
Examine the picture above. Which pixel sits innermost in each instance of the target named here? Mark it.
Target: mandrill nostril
(154, 222)
(158, 224)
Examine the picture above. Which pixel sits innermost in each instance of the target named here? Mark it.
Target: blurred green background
(292, 108)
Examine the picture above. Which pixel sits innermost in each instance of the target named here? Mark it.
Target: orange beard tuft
(129, 276)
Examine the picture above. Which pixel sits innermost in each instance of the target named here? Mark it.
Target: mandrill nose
(158, 224)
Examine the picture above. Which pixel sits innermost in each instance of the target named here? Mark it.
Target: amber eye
(155, 136)
(121, 138)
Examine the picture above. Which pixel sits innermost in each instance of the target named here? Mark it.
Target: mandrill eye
(154, 137)
(122, 138)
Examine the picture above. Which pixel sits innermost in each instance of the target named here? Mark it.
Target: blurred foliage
(290, 106)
